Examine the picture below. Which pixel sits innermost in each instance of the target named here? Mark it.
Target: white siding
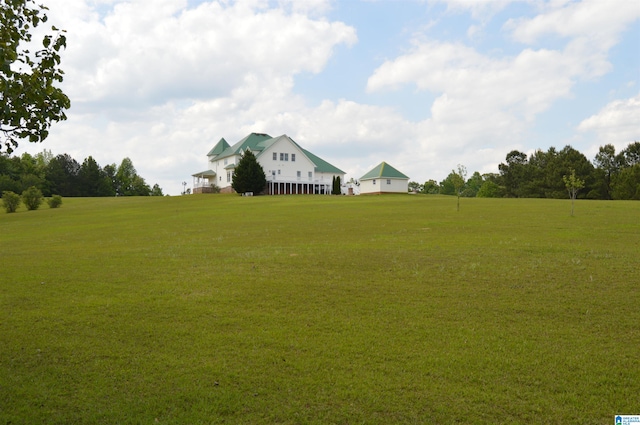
(286, 169)
(218, 165)
(328, 177)
(384, 185)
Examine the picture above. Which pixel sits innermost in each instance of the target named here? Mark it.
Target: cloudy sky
(422, 85)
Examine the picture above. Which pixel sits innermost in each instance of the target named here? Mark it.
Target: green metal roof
(219, 148)
(252, 141)
(322, 166)
(206, 173)
(383, 170)
(263, 145)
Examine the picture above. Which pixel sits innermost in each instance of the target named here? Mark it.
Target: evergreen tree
(514, 173)
(110, 178)
(62, 176)
(248, 175)
(608, 165)
(335, 186)
(627, 183)
(631, 155)
(90, 178)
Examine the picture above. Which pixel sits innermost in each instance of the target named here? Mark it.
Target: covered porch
(204, 181)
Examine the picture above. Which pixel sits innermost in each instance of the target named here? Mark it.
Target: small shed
(384, 179)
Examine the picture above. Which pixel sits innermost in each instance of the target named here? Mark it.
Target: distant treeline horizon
(63, 175)
(611, 175)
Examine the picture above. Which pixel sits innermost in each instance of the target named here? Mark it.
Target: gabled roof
(250, 142)
(384, 170)
(218, 148)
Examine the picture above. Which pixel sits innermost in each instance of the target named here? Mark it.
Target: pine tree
(248, 175)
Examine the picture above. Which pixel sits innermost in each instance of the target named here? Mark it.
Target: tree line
(62, 175)
(542, 174)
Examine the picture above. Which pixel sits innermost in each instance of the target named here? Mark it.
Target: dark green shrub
(32, 198)
(248, 175)
(55, 201)
(10, 200)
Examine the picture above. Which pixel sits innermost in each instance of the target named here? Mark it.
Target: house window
(286, 156)
(310, 175)
(299, 174)
(388, 181)
(281, 156)
(228, 176)
(225, 161)
(374, 181)
(275, 156)
(278, 172)
(293, 157)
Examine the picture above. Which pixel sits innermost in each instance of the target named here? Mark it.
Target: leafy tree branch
(30, 100)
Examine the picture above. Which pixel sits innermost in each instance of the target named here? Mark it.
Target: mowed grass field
(210, 309)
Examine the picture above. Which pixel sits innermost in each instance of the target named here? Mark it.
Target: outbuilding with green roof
(384, 178)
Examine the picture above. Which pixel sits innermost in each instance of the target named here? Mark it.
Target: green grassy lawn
(317, 309)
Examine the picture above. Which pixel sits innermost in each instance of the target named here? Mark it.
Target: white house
(288, 167)
(384, 179)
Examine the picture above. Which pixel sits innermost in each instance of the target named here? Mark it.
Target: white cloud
(618, 123)
(599, 21)
(148, 52)
(474, 88)
(592, 28)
